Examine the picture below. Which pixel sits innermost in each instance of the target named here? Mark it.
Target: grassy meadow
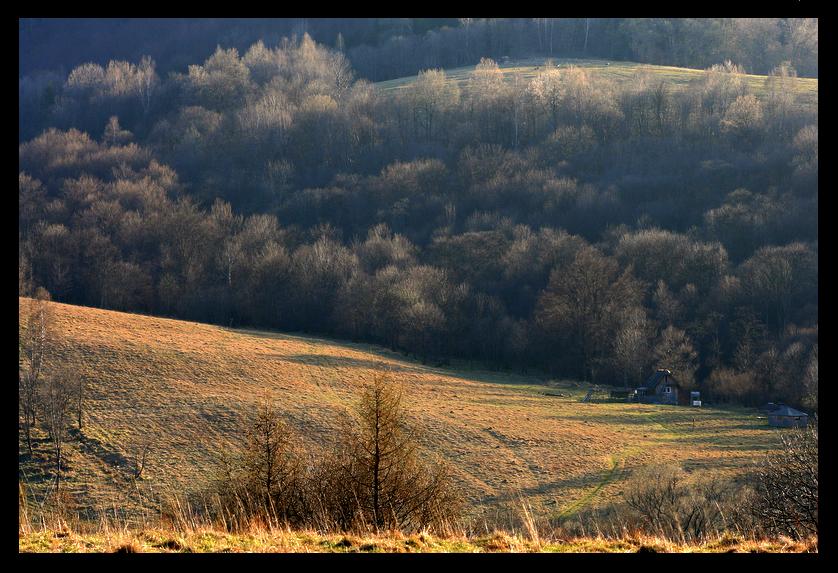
(806, 89)
(188, 390)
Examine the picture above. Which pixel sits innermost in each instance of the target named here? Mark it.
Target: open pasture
(189, 389)
(806, 89)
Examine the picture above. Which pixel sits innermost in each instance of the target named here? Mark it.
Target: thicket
(567, 223)
(776, 496)
(49, 393)
(372, 476)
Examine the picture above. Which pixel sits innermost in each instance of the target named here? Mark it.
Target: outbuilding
(786, 417)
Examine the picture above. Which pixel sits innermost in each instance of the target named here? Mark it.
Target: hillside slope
(806, 89)
(189, 389)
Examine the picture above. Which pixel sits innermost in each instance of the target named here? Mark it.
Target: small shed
(695, 398)
(786, 417)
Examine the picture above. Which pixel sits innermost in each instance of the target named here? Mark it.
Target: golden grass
(287, 541)
(806, 89)
(191, 387)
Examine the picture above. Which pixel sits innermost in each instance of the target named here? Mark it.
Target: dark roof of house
(655, 379)
(786, 411)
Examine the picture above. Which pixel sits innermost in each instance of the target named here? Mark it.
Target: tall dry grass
(189, 528)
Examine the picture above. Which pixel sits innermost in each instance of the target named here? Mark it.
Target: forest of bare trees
(385, 48)
(565, 223)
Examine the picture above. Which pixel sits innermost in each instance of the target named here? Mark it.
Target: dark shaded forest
(568, 223)
(386, 48)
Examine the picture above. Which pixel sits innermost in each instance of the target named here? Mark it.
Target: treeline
(758, 44)
(568, 223)
(386, 48)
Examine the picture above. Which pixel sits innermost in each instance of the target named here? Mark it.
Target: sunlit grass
(287, 541)
(806, 88)
(191, 387)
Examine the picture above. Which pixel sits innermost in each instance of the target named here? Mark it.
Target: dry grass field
(189, 389)
(284, 541)
(806, 88)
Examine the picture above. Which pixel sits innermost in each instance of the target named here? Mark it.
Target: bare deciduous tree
(270, 466)
(786, 485)
(80, 387)
(631, 345)
(675, 351)
(668, 504)
(56, 399)
(146, 81)
(34, 345)
(582, 301)
(810, 381)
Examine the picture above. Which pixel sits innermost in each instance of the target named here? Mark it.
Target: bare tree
(56, 399)
(654, 492)
(775, 276)
(146, 81)
(582, 302)
(140, 451)
(631, 344)
(810, 380)
(547, 90)
(431, 97)
(466, 24)
(780, 86)
(114, 134)
(34, 345)
(675, 351)
(80, 387)
(786, 485)
(270, 466)
(668, 504)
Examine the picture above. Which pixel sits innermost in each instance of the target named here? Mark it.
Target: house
(660, 388)
(784, 417)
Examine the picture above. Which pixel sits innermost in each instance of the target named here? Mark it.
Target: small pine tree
(394, 489)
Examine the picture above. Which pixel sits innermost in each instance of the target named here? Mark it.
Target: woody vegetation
(373, 477)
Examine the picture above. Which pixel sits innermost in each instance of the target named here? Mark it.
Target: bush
(373, 478)
(785, 485)
(376, 479)
(661, 501)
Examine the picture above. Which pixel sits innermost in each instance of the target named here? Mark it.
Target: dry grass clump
(288, 541)
(130, 547)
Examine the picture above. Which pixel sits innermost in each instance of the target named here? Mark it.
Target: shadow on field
(455, 370)
(586, 483)
(343, 362)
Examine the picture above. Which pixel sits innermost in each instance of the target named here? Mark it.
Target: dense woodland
(566, 224)
(385, 48)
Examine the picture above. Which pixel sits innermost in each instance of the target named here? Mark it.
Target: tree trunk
(376, 468)
(28, 431)
(58, 468)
